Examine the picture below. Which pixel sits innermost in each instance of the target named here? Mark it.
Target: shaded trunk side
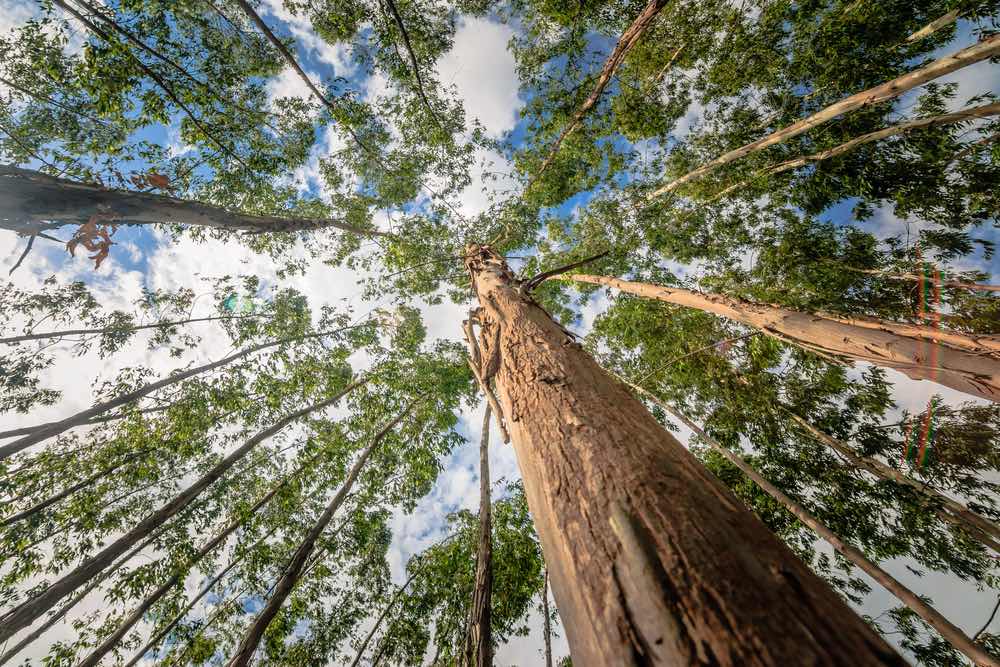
(547, 621)
(480, 623)
(967, 363)
(652, 560)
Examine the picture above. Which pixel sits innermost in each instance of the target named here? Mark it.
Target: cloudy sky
(482, 71)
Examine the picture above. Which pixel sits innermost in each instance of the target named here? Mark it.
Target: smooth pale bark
(951, 633)
(96, 420)
(248, 646)
(934, 26)
(954, 511)
(31, 201)
(652, 560)
(944, 119)
(381, 617)
(547, 622)
(987, 48)
(968, 363)
(31, 610)
(80, 332)
(625, 43)
(481, 636)
(53, 429)
(42, 628)
(95, 656)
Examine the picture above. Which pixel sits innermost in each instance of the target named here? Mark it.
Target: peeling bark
(652, 560)
(967, 363)
(31, 201)
(987, 48)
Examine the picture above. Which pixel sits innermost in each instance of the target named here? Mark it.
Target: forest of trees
(726, 245)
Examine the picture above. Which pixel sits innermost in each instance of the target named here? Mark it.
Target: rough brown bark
(983, 111)
(481, 637)
(624, 45)
(970, 364)
(29, 197)
(652, 560)
(985, 49)
(26, 613)
(52, 429)
(951, 633)
(248, 646)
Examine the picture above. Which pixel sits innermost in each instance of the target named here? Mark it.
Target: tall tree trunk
(983, 111)
(970, 364)
(934, 26)
(652, 560)
(95, 656)
(547, 626)
(53, 429)
(80, 332)
(952, 633)
(26, 613)
(381, 617)
(890, 90)
(625, 43)
(96, 420)
(248, 646)
(481, 638)
(954, 511)
(28, 198)
(43, 627)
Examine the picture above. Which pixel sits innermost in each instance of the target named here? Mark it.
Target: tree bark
(901, 128)
(952, 633)
(652, 560)
(481, 640)
(80, 332)
(381, 617)
(934, 26)
(96, 420)
(248, 646)
(547, 627)
(970, 364)
(52, 429)
(29, 197)
(26, 613)
(890, 90)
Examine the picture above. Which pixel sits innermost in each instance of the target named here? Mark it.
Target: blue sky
(482, 72)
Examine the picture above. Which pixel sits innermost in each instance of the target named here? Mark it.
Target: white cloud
(482, 70)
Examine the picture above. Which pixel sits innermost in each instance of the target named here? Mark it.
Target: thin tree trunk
(29, 611)
(79, 332)
(934, 26)
(547, 627)
(970, 364)
(248, 646)
(394, 11)
(55, 428)
(652, 560)
(952, 633)
(95, 656)
(976, 112)
(96, 420)
(886, 91)
(963, 516)
(28, 197)
(625, 43)
(913, 277)
(480, 620)
(381, 617)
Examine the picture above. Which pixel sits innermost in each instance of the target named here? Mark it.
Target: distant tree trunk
(96, 420)
(381, 617)
(893, 130)
(934, 26)
(547, 627)
(952, 633)
(915, 278)
(982, 50)
(954, 511)
(52, 429)
(29, 611)
(248, 646)
(480, 622)
(80, 332)
(28, 198)
(970, 364)
(652, 560)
